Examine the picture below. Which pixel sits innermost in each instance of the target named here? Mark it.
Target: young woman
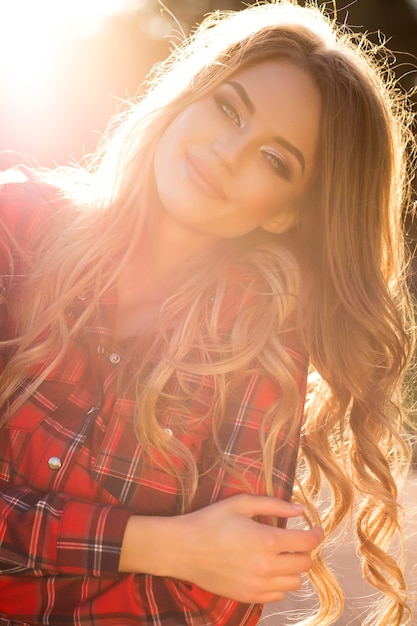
(159, 314)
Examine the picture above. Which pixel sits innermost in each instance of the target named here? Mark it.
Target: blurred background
(66, 64)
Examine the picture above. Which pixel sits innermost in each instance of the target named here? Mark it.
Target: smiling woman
(240, 225)
(241, 157)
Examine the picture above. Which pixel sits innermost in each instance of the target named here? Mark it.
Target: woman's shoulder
(28, 201)
(23, 197)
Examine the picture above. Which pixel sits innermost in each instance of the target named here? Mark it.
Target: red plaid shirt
(68, 476)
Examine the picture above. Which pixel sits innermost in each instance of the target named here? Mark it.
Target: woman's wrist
(150, 545)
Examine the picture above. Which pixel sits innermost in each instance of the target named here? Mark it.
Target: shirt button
(100, 349)
(54, 463)
(114, 358)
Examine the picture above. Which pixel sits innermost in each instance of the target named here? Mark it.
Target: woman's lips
(202, 176)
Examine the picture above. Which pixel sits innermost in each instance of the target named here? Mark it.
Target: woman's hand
(230, 554)
(223, 550)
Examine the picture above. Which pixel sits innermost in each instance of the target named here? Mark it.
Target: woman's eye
(229, 110)
(278, 164)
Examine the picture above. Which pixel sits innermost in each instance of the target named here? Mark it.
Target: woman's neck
(151, 276)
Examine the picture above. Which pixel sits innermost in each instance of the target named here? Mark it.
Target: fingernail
(297, 507)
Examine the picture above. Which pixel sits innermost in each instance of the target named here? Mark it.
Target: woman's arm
(219, 548)
(223, 550)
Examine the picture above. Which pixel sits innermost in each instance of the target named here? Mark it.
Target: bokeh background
(65, 63)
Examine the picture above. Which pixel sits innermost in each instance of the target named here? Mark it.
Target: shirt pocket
(44, 437)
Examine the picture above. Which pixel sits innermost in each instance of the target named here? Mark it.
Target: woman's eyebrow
(287, 145)
(243, 95)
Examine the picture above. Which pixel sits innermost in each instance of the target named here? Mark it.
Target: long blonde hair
(352, 305)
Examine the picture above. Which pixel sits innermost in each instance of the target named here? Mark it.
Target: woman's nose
(231, 152)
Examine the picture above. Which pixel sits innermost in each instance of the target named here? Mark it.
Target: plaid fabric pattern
(69, 479)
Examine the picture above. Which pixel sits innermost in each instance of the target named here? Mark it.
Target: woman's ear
(280, 223)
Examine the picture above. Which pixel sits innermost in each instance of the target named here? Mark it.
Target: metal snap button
(114, 358)
(168, 431)
(83, 296)
(54, 463)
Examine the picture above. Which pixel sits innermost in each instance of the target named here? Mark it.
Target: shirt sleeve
(22, 205)
(52, 533)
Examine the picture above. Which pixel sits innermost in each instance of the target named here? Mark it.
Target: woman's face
(243, 155)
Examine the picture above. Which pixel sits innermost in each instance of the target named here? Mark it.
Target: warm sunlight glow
(63, 64)
(31, 31)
